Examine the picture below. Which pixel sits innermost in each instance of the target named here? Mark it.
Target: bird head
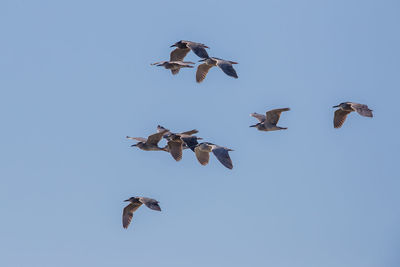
(132, 199)
(340, 105)
(176, 44)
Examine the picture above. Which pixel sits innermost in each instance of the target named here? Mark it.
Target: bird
(347, 107)
(183, 48)
(135, 203)
(150, 143)
(203, 150)
(174, 66)
(175, 142)
(225, 66)
(268, 121)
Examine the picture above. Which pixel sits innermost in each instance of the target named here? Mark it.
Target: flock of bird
(176, 62)
(177, 142)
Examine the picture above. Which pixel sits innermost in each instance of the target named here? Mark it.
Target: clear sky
(75, 79)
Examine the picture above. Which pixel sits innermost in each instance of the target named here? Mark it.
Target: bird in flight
(347, 107)
(184, 47)
(203, 150)
(150, 143)
(135, 203)
(224, 65)
(268, 121)
(174, 66)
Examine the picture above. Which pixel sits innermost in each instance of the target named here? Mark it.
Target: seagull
(183, 48)
(151, 143)
(268, 121)
(347, 107)
(225, 65)
(135, 203)
(203, 150)
(175, 142)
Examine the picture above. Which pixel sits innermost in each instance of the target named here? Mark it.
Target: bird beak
(336, 106)
(199, 138)
(173, 45)
(233, 62)
(126, 200)
(133, 145)
(202, 60)
(253, 125)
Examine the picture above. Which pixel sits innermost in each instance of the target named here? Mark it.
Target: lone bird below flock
(225, 65)
(268, 121)
(150, 143)
(135, 203)
(183, 48)
(347, 107)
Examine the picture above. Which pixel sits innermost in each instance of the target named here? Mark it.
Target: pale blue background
(75, 80)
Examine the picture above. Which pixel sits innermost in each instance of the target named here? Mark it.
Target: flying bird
(183, 48)
(203, 150)
(347, 107)
(175, 142)
(225, 66)
(135, 203)
(174, 66)
(150, 143)
(268, 121)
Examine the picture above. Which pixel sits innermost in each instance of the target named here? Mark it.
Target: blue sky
(76, 79)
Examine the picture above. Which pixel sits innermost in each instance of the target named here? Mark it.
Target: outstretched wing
(175, 147)
(202, 71)
(150, 203)
(191, 141)
(339, 118)
(179, 54)
(198, 49)
(202, 156)
(127, 213)
(273, 116)
(140, 139)
(221, 153)
(155, 138)
(259, 117)
(227, 68)
(194, 131)
(361, 109)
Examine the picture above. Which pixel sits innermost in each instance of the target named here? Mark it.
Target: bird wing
(340, 117)
(198, 49)
(221, 153)
(150, 203)
(155, 138)
(361, 109)
(194, 131)
(191, 141)
(202, 71)
(259, 117)
(127, 214)
(140, 139)
(226, 67)
(175, 147)
(202, 156)
(159, 62)
(179, 54)
(273, 116)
